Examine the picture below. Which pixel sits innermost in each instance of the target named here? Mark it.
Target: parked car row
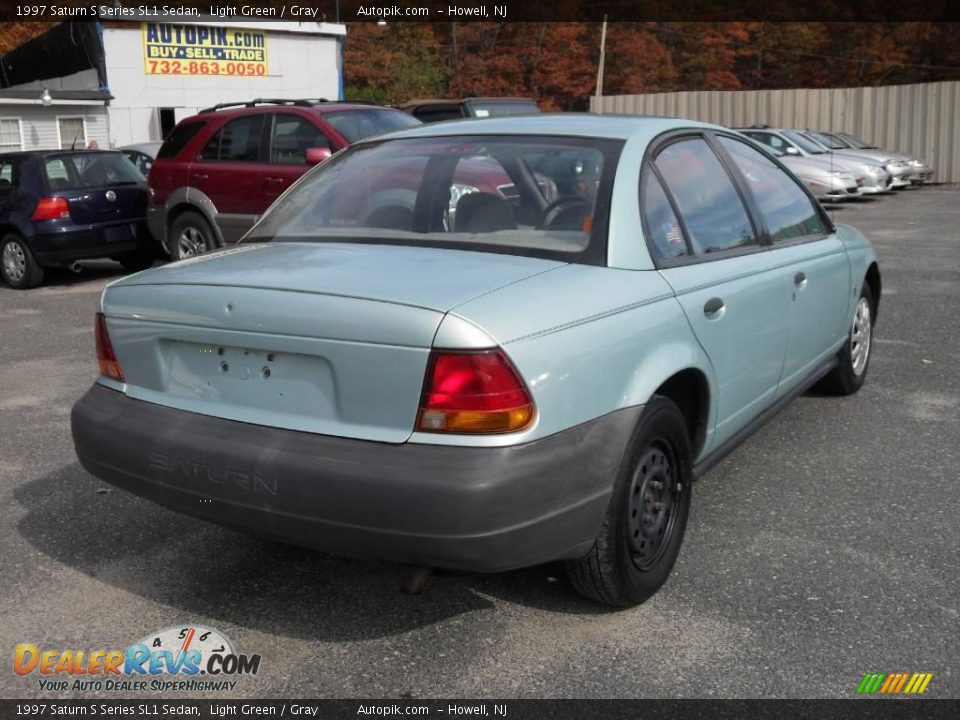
(838, 167)
(219, 170)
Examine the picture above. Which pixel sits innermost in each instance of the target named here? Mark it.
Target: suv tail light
(51, 208)
(473, 392)
(106, 359)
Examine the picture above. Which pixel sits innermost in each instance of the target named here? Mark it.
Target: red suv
(219, 170)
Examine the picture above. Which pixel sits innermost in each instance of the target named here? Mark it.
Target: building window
(73, 132)
(10, 138)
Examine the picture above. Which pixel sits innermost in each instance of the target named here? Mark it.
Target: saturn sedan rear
(485, 347)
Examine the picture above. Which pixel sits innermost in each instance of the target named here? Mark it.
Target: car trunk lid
(309, 337)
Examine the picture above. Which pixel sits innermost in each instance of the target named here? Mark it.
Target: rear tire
(853, 360)
(18, 266)
(190, 235)
(642, 531)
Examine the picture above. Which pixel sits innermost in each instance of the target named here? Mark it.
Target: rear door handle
(713, 308)
(201, 176)
(274, 180)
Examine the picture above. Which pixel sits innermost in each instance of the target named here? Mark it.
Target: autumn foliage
(556, 63)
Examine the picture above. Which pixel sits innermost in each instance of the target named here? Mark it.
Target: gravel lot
(822, 549)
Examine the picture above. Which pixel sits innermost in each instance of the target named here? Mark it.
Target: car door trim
(702, 466)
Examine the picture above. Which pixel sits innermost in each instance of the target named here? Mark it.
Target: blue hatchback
(57, 207)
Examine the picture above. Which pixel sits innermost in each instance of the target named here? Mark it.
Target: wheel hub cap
(860, 337)
(14, 261)
(191, 242)
(650, 516)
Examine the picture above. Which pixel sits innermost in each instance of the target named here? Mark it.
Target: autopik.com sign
(203, 50)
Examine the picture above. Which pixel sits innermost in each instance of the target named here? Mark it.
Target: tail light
(51, 208)
(107, 360)
(473, 392)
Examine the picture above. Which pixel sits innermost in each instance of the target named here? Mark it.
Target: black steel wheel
(641, 534)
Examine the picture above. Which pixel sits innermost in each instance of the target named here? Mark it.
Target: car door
(230, 172)
(814, 265)
(706, 245)
(290, 137)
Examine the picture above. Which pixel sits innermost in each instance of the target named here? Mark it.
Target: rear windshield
(520, 195)
(86, 169)
(493, 109)
(356, 125)
(178, 139)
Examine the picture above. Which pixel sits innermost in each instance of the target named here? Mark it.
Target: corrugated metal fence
(921, 120)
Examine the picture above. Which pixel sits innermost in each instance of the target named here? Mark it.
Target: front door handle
(274, 180)
(201, 176)
(713, 308)
(800, 279)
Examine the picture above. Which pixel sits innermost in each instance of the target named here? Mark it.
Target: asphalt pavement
(824, 548)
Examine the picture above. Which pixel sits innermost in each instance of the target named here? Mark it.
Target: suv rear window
(178, 138)
(89, 170)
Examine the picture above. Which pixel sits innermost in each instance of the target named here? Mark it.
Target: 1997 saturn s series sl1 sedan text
(484, 346)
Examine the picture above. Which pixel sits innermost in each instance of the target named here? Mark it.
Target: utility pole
(603, 49)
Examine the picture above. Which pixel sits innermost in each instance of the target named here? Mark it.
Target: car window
(292, 135)
(804, 143)
(356, 125)
(775, 142)
(178, 139)
(439, 114)
(666, 237)
(237, 141)
(6, 176)
(786, 210)
(522, 195)
(140, 160)
(706, 197)
(90, 169)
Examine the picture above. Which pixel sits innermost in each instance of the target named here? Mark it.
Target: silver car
(825, 182)
(900, 169)
(872, 178)
(923, 170)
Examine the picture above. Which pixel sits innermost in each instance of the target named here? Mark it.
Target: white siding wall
(300, 66)
(38, 124)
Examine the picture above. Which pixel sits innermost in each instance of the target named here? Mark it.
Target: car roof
(457, 101)
(322, 107)
(63, 151)
(617, 127)
(144, 147)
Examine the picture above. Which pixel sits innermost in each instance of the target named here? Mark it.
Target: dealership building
(120, 83)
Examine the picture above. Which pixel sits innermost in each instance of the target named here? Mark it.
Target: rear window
(356, 125)
(493, 109)
(178, 139)
(83, 170)
(519, 195)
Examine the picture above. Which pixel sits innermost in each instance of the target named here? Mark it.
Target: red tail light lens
(109, 367)
(473, 392)
(52, 208)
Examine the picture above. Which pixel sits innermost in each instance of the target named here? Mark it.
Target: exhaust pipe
(75, 267)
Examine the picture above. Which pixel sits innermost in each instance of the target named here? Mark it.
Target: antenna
(73, 145)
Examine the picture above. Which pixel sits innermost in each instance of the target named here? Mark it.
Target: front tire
(18, 266)
(641, 534)
(853, 360)
(190, 235)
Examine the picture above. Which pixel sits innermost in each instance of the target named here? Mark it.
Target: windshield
(804, 143)
(492, 109)
(828, 140)
(87, 169)
(520, 195)
(857, 142)
(356, 125)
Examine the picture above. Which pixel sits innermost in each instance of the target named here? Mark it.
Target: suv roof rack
(258, 101)
(759, 126)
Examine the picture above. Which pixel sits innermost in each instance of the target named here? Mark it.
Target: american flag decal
(673, 234)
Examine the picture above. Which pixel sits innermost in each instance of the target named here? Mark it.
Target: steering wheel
(561, 211)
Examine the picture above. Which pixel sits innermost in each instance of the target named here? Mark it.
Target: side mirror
(315, 156)
(790, 150)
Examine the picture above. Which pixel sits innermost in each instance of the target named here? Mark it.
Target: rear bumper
(470, 508)
(89, 241)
